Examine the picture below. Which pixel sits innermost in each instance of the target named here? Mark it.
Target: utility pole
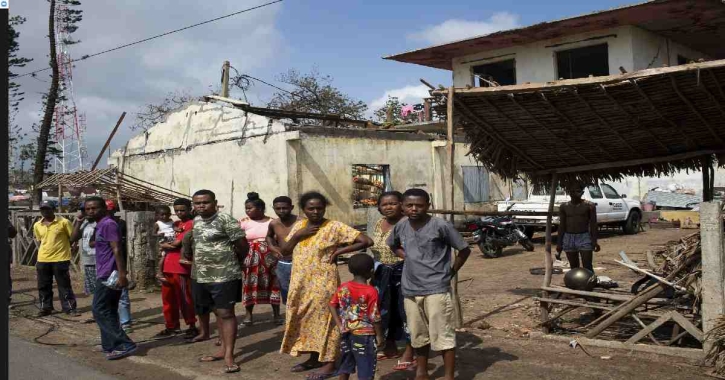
(225, 79)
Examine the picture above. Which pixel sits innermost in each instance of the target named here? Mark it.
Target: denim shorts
(284, 273)
(358, 351)
(577, 242)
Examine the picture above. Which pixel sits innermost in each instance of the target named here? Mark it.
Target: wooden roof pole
(108, 142)
(450, 147)
(548, 261)
(695, 111)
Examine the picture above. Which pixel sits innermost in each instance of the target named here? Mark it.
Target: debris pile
(685, 257)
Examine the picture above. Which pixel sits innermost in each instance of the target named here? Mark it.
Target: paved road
(32, 361)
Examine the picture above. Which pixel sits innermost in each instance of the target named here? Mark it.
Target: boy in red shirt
(355, 310)
(175, 277)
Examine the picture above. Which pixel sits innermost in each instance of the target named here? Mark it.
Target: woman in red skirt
(260, 285)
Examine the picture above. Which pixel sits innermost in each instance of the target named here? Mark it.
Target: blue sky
(345, 39)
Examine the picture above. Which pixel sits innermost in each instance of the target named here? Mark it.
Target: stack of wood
(716, 354)
(684, 255)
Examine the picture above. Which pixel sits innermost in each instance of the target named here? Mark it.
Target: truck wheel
(631, 226)
(490, 250)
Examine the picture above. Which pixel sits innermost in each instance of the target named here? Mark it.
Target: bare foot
(200, 338)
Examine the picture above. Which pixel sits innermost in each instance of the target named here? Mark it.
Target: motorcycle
(493, 234)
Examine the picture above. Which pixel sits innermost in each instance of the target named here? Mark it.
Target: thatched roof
(110, 184)
(648, 123)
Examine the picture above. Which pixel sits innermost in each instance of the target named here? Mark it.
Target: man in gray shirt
(83, 229)
(426, 243)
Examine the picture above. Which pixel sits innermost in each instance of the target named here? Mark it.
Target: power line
(268, 84)
(157, 36)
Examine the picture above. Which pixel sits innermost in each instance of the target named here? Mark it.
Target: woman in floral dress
(315, 244)
(259, 286)
(387, 280)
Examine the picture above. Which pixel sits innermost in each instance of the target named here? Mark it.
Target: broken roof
(699, 24)
(647, 123)
(111, 184)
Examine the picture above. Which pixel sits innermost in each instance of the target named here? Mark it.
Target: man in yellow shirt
(54, 256)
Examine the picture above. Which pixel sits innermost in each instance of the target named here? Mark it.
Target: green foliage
(314, 92)
(392, 107)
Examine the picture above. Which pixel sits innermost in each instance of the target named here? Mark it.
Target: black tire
(631, 226)
(489, 250)
(527, 244)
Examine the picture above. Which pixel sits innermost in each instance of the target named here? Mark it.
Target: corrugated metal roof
(675, 200)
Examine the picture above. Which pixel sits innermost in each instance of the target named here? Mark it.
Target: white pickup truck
(612, 209)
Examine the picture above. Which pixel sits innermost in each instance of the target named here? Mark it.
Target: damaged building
(233, 151)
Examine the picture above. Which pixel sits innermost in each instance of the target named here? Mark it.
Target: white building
(647, 35)
(232, 152)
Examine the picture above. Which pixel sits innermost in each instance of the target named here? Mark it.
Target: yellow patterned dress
(310, 327)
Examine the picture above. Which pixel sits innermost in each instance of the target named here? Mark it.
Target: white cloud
(407, 94)
(455, 29)
(125, 80)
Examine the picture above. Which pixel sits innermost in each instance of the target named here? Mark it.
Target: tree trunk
(44, 133)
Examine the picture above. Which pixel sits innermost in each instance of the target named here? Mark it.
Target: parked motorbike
(493, 234)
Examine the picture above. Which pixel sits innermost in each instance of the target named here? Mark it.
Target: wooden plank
(490, 213)
(649, 329)
(573, 303)
(639, 321)
(688, 326)
(558, 315)
(548, 260)
(566, 83)
(611, 297)
(689, 353)
(626, 163)
(650, 274)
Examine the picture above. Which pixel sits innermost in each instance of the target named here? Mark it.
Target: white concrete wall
(632, 48)
(201, 147)
(651, 50)
(325, 164)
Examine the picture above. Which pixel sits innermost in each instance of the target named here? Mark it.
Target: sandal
(231, 368)
(218, 342)
(404, 366)
(209, 359)
(384, 356)
(305, 366)
(279, 321)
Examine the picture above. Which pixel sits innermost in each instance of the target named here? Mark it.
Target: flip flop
(302, 367)
(209, 359)
(194, 340)
(248, 323)
(384, 356)
(404, 366)
(278, 321)
(231, 368)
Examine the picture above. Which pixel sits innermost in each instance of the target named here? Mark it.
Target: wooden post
(225, 79)
(713, 265)
(706, 189)
(108, 141)
(548, 261)
(451, 148)
(60, 197)
(426, 110)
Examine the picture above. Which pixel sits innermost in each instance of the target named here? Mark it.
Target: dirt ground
(495, 292)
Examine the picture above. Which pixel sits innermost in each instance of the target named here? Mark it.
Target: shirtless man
(278, 231)
(577, 229)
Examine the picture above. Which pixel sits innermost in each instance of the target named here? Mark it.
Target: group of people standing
(211, 261)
